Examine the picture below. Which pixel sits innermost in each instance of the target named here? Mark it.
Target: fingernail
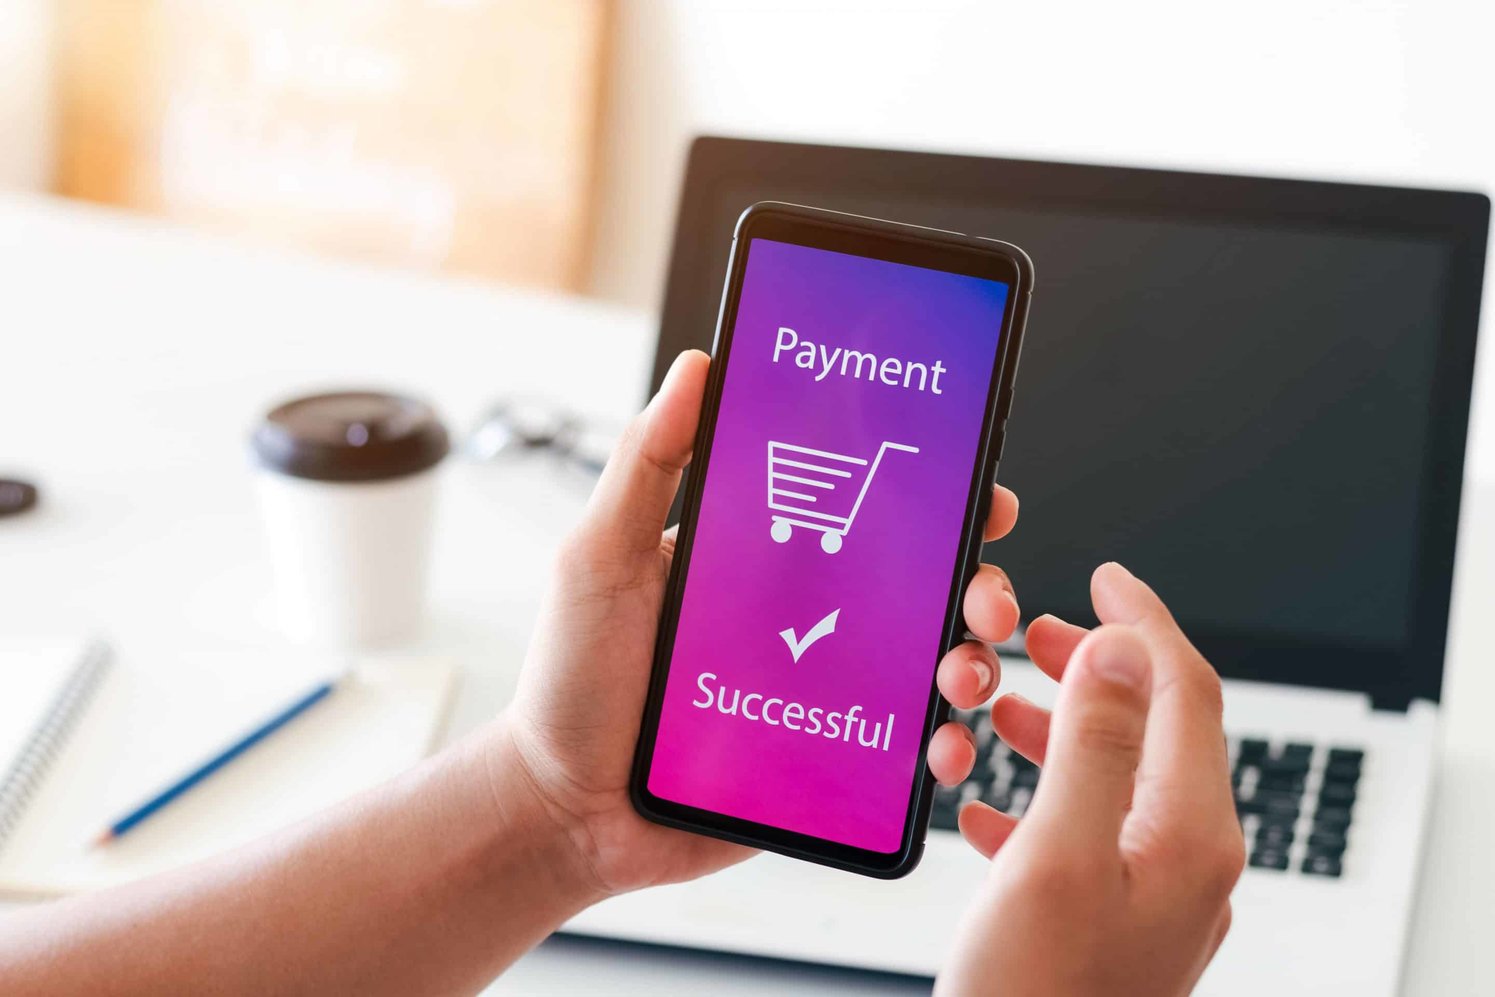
(1122, 658)
(983, 673)
(1057, 621)
(1118, 566)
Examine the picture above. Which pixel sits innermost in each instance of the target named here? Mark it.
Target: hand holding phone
(575, 718)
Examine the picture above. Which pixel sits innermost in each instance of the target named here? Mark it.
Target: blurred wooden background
(459, 135)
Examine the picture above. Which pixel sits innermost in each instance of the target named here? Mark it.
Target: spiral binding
(24, 777)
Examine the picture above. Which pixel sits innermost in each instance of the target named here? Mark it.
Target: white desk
(138, 359)
(135, 358)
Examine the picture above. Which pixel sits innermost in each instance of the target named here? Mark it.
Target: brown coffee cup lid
(350, 436)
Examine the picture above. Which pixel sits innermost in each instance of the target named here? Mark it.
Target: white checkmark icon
(799, 645)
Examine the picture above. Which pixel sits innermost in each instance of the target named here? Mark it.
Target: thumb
(1095, 741)
(629, 506)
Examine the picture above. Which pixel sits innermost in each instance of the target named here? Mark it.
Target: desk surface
(137, 357)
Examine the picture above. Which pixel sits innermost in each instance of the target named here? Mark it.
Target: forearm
(431, 884)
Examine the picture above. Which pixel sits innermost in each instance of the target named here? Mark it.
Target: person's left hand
(575, 721)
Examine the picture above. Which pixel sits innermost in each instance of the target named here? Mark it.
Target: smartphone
(854, 415)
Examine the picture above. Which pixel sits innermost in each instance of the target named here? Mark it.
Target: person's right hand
(1118, 878)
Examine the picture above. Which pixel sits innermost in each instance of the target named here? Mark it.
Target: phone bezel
(876, 239)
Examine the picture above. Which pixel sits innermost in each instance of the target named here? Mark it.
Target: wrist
(529, 825)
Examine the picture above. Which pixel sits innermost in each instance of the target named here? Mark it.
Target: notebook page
(146, 728)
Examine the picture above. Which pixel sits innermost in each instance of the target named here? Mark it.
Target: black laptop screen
(1238, 410)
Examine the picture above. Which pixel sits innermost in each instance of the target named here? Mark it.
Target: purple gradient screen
(782, 542)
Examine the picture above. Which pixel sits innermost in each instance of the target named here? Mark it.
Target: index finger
(1184, 771)
(1003, 514)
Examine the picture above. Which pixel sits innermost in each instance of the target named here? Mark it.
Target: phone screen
(830, 524)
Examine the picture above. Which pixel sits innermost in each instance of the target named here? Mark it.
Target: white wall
(26, 117)
(1394, 91)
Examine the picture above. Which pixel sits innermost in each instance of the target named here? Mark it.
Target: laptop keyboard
(1295, 800)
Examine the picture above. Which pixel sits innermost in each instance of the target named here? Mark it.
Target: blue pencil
(164, 798)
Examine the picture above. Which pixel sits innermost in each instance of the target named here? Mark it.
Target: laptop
(1255, 394)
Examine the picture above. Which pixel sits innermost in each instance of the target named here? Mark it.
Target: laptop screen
(1237, 408)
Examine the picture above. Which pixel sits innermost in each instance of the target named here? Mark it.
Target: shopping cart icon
(810, 488)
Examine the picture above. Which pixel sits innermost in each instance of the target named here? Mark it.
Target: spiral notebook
(85, 737)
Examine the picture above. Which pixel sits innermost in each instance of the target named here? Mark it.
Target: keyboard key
(1252, 748)
(1337, 794)
(1348, 772)
(1281, 782)
(1326, 841)
(1323, 865)
(1284, 766)
(1025, 777)
(1279, 804)
(1269, 858)
(1286, 821)
(1331, 817)
(1275, 837)
(1297, 749)
(1346, 755)
(1326, 835)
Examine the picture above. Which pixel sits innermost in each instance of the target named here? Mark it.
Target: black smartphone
(854, 415)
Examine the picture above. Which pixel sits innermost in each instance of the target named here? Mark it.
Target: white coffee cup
(347, 485)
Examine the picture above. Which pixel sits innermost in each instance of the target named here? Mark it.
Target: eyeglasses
(519, 427)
